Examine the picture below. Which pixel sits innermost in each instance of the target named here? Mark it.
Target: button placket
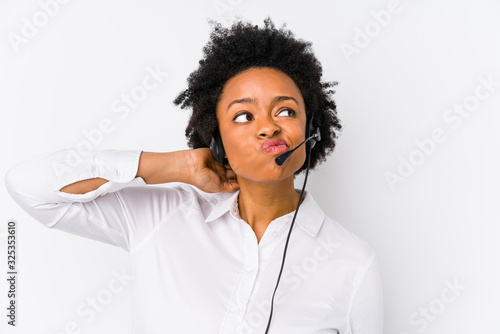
(246, 282)
(275, 240)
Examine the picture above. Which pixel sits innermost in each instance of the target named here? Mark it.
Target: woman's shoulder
(348, 243)
(329, 231)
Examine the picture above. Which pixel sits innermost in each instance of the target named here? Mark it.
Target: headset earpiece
(316, 138)
(311, 130)
(217, 148)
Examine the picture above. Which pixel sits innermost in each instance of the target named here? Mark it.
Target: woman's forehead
(260, 83)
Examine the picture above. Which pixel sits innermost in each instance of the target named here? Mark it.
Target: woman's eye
(242, 118)
(286, 112)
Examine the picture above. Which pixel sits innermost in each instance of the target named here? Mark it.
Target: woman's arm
(367, 307)
(195, 167)
(101, 195)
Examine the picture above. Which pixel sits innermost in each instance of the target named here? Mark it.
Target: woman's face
(261, 115)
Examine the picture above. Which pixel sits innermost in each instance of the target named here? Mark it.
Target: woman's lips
(276, 149)
(274, 146)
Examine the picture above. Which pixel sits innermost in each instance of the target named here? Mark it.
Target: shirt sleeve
(103, 214)
(367, 307)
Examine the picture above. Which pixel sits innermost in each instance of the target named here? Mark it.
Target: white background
(439, 224)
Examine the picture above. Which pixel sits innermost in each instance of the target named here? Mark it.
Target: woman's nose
(268, 127)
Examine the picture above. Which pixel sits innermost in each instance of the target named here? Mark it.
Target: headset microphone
(280, 160)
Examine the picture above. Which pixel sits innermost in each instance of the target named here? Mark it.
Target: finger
(230, 174)
(220, 169)
(230, 186)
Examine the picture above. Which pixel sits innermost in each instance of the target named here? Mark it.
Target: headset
(217, 150)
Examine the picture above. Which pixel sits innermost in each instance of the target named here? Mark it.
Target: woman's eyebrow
(253, 101)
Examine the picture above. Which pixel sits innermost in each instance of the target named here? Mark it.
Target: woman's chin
(266, 170)
(268, 177)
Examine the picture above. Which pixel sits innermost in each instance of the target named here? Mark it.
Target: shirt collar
(310, 216)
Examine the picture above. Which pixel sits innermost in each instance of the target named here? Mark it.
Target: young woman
(208, 261)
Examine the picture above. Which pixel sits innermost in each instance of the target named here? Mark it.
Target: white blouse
(197, 265)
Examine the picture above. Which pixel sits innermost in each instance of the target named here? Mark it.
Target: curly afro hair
(231, 51)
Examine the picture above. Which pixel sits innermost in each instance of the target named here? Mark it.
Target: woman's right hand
(208, 175)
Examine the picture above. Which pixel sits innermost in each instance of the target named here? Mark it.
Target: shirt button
(275, 234)
(251, 271)
(237, 311)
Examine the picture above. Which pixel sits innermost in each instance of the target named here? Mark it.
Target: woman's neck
(259, 204)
